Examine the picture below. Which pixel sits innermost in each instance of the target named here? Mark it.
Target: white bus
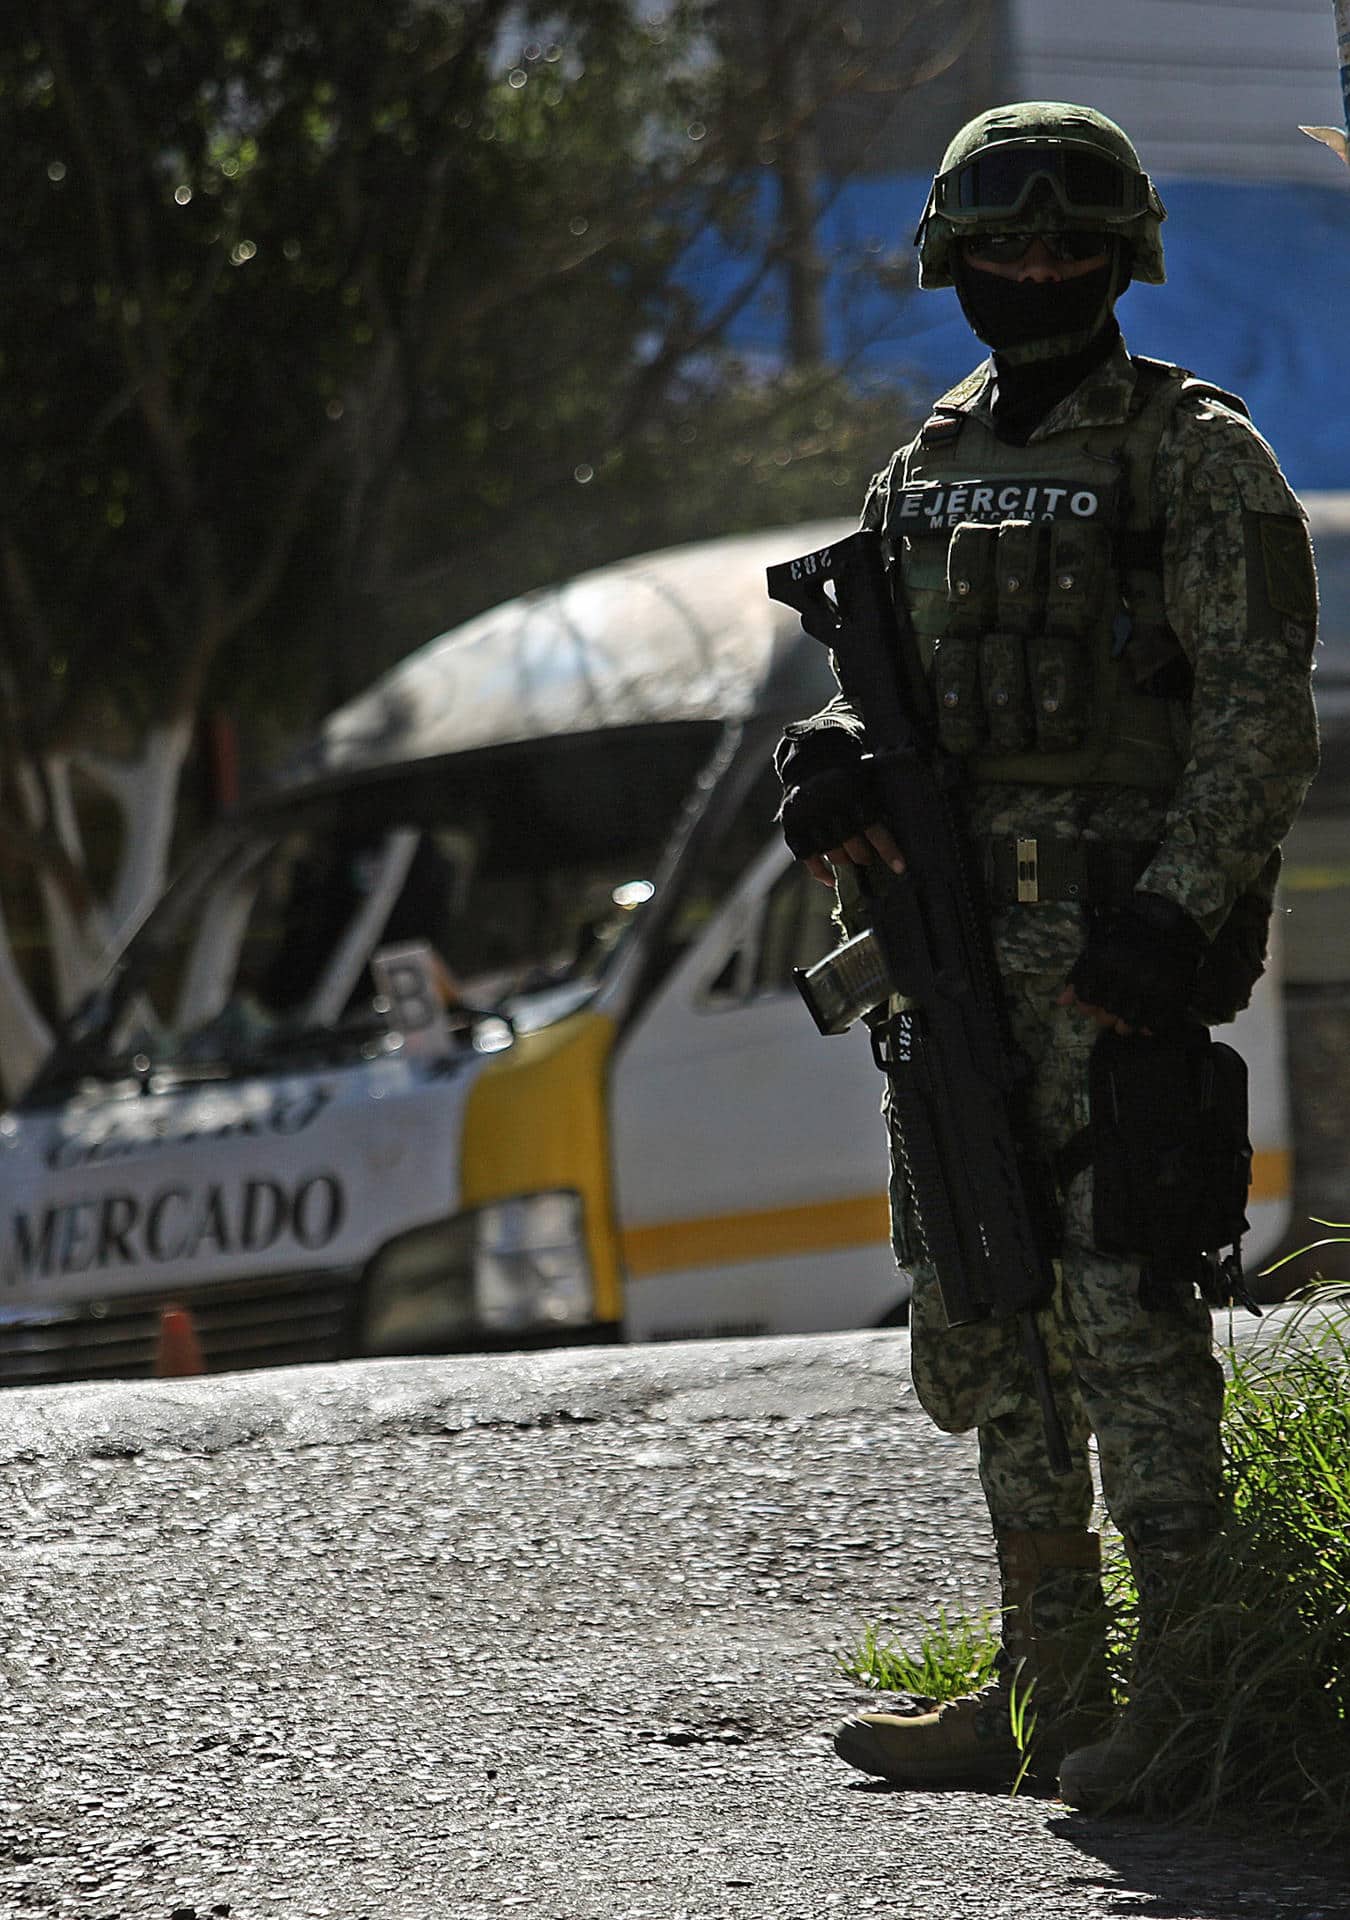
(478, 1028)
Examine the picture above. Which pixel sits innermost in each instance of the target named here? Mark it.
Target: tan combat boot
(1053, 1659)
(1109, 1773)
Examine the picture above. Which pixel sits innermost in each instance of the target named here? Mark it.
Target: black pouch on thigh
(1171, 1162)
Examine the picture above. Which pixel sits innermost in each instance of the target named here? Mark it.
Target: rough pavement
(550, 1635)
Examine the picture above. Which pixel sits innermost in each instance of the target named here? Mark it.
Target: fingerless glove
(1141, 963)
(827, 809)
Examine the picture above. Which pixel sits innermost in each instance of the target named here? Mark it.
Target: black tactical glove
(827, 809)
(1141, 963)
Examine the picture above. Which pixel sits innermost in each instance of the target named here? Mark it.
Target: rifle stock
(922, 973)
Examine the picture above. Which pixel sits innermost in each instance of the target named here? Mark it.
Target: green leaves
(317, 315)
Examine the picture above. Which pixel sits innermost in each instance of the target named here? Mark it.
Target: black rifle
(922, 975)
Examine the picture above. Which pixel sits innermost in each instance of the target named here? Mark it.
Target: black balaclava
(1046, 337)
(1022, 313)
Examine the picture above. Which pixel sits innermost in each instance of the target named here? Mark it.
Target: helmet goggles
(998, 183)
(1006, 245)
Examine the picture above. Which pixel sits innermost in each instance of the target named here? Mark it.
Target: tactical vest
(1033, 577)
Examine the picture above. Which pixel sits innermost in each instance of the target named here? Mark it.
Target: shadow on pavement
(1183, 1873)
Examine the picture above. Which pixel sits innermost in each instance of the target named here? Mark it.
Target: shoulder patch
(941, 429)
(1278, 545)
(967, 391)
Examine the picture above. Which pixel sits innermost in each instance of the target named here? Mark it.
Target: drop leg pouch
(1171, 1157)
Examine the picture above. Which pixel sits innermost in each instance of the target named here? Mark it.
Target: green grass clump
(1251, 1682)
(953, 1657)
(1257, 1679)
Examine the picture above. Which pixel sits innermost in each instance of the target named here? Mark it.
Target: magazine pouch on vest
(1034, 579)
(1059, 654)
(1171, 1160)
(956, 655)
(1006, 685)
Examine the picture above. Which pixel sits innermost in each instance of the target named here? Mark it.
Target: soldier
(1113, 590)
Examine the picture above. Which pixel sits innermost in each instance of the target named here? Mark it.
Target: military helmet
(1041, 166)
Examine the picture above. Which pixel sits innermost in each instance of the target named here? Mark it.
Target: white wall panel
(1213, 89)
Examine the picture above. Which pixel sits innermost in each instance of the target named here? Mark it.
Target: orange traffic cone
(179, 1351)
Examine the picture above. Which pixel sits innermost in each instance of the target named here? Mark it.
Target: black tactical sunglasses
(1004, 248)
(1086, 182)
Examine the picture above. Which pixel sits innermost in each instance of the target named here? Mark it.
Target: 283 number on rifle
(812, 564)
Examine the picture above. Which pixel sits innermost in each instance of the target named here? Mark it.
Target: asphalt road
(546, 1635)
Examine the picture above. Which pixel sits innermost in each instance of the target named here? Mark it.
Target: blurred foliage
(327, 326)
(724, 453)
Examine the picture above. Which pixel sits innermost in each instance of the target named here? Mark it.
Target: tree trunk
(82, 941)
(792, 97)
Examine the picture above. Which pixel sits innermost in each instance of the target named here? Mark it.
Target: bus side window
(796, 930)
(724, 989)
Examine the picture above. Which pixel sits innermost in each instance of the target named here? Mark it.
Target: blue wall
(1257, 300)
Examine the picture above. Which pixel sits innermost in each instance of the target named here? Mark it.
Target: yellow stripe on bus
(725, 1239)
(730, 1237)
(1272, 1174)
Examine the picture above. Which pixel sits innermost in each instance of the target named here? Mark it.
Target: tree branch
(43, 853)
(244, 607)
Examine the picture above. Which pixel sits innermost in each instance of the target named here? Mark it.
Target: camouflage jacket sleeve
(834, 734)
(1242, 599)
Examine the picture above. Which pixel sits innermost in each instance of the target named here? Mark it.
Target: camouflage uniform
(1117, 624)
(1144, 1382)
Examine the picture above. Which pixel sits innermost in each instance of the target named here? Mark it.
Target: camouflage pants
(1144, 1382)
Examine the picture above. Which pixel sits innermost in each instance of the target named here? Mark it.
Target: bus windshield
(522, 869)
